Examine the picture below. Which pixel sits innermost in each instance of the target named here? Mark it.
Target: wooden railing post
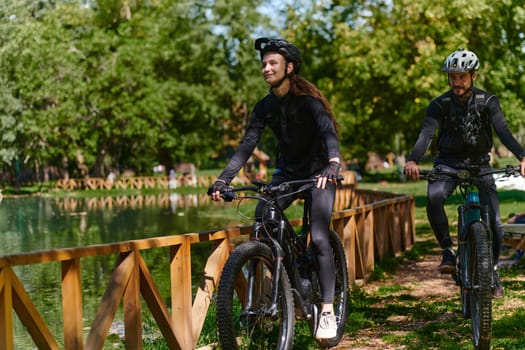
(72, 305)
(181, 293)
(367, 243)
(6, 312)
(132, 309)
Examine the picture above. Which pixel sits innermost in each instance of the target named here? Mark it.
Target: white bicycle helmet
(461, 61)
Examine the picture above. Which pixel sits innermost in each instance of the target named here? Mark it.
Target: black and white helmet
(283, 47)
(461, 61)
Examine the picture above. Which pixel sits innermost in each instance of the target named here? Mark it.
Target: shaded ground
(415, 303)
(417, 278)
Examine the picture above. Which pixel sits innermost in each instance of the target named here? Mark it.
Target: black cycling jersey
(306, 135)
(464, 138)
(464, 131)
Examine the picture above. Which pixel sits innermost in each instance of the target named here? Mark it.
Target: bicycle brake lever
(339, 181)
(259, 183)
(512, 170)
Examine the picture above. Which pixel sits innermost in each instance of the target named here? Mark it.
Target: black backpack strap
(445, 105)
(479, 103)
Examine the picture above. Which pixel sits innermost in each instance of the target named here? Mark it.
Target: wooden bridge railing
(382, 224)
(156, 182)
(137, 182)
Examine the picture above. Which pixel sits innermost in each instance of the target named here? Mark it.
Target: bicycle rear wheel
(480, 263)
(340, 296)
(259, 327)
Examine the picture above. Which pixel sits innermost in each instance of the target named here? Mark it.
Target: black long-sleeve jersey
(464, 131)
(306, 136)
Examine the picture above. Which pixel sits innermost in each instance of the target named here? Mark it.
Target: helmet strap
(286, 76)
(280, 82)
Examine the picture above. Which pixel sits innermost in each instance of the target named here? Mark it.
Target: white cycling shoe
(327, 328)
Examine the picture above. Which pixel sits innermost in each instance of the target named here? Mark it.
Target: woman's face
(273, 67)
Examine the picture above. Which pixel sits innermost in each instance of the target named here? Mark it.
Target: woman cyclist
(304, 125)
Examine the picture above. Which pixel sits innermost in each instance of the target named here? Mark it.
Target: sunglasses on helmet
(262, 43)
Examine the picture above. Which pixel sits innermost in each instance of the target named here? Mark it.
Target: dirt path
(421, 280)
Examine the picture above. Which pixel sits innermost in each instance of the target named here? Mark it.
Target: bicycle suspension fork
(467, 214)
(278, 258)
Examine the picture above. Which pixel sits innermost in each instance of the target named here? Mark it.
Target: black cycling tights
(321, 206)
(437, 194)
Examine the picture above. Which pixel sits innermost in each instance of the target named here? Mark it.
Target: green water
(39, 223)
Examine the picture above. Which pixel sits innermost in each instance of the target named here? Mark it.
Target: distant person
(172, 179)
(111, 177)
(304, 125)
(464, 118)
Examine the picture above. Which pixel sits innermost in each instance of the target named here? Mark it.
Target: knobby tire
(259, 330)
(481, 294)
(340, 296)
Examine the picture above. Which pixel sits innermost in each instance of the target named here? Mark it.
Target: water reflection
(41, 223)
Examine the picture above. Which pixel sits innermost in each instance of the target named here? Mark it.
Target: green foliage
(379, 62)
(9, 108)
(118, 85)
(89, 86)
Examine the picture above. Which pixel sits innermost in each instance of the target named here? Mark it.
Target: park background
(89, 88)
(93, 87)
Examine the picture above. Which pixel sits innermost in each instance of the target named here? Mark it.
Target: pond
(42, 223)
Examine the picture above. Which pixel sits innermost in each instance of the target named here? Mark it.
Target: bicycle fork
(466, 217)
(278, 256)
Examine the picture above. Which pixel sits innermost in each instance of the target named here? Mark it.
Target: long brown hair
(302, 87)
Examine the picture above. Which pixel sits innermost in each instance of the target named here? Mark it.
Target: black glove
(218, 185)
(331, 171)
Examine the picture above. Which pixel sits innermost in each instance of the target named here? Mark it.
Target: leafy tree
(111, 85)
(90, 86)
(381, 61)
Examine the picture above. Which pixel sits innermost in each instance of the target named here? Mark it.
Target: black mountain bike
(269, 281)
(474, 269)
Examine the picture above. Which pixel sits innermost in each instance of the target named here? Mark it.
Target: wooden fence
(371, 226)
(138, 182)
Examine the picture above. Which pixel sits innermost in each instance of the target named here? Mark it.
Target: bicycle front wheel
(340, 295)
(481, 270)
(247, 279)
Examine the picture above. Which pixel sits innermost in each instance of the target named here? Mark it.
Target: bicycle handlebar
(471, 173)
(228, 194)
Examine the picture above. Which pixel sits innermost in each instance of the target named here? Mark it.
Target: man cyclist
(304, 125)
(465, 118)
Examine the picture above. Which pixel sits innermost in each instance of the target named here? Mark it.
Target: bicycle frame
(284, 242)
